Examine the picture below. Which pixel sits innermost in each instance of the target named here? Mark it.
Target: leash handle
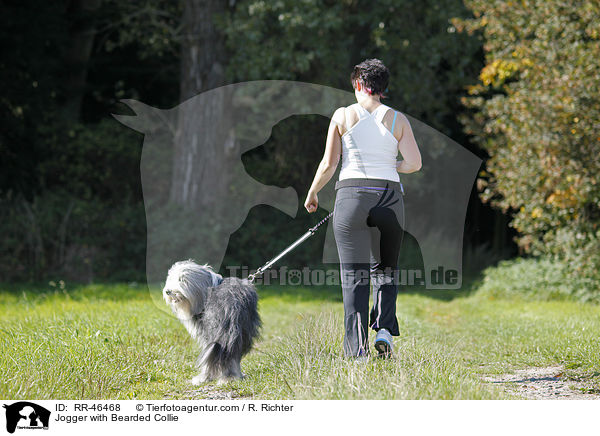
(314, 229)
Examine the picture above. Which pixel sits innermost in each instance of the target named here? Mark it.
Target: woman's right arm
(331, 157)
(407, 145)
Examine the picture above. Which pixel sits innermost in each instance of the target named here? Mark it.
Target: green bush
(537, 113)
(538, 279)
(85, 221)
(60, 236)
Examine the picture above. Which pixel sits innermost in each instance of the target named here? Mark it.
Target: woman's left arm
(408, 148)
(331, 158)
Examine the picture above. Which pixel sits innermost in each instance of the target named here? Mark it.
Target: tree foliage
(70, 193)
(319, 41)
(536, 111)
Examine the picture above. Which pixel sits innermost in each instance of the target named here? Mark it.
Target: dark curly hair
(373, 74)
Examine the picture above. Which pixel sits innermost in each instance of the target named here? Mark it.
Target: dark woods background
(70, 194)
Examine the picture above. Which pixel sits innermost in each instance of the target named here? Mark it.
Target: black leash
(260, 271)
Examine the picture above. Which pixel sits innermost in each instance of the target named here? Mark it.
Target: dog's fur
(221, 314)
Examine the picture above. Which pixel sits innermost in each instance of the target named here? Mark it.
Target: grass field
(119, 342)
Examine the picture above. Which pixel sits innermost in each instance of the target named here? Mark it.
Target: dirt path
(545, 383)
(548, 383)
(206, 392)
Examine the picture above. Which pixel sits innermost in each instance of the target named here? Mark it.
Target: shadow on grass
(300, 294)
(285, 293)
(290, 293)
(469, 287)
(75, 291)
(475, 261)
(139, 291)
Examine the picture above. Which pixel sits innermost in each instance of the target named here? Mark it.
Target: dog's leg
(236, 369)
(200, 378)
(206, 373)
(233, 371)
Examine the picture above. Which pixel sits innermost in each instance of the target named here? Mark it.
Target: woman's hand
(312, 202)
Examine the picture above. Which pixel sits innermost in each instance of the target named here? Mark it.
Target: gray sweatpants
(368, 219)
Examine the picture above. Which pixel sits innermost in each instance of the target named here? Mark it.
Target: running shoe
(383, 343)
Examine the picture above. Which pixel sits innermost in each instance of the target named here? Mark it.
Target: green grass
(119, 342)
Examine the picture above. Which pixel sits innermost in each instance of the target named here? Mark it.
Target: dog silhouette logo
(197, 191)
(26, 415)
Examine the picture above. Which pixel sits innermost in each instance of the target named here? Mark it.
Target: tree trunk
(202, 56)
(81, 40)
(203, 144)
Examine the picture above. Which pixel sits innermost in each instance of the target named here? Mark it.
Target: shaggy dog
(221, 314)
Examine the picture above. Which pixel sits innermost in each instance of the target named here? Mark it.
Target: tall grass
(308, 364)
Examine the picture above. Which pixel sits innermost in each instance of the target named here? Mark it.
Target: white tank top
(369, 149)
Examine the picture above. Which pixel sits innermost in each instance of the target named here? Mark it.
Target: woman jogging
(368, 215)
